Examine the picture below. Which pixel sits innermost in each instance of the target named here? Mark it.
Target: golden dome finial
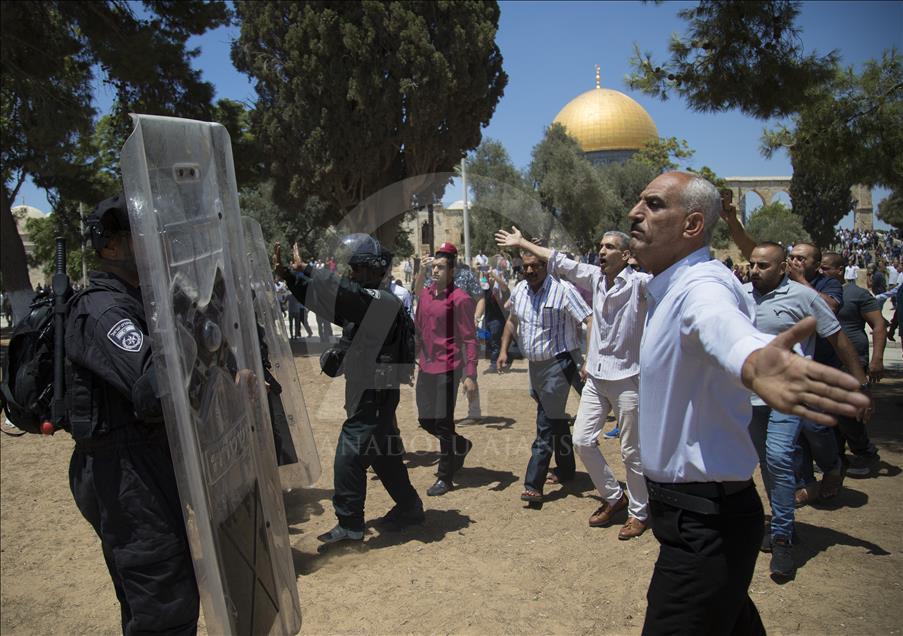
(598, 76)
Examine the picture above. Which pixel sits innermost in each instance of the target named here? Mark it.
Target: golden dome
(605, 119)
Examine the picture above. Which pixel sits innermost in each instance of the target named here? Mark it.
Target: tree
(777, 223)
(736, 55)
(283, 225)
(821, 197)
(661, 153)
(43, 233)
(355, 97)
(853, 121)
(52, 52)
(501, 196)
(570, 189)
(891, 209)
(848, 132)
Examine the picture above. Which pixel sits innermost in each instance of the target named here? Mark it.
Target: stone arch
(767, 188)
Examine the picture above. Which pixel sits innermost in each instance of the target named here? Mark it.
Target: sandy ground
(483, 562)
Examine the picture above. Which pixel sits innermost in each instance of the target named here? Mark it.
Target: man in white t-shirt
(850, 273)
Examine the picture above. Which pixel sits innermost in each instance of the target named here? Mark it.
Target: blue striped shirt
(549, 319)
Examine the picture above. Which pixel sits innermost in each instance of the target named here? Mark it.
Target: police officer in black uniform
(370, 316)
(121, 472)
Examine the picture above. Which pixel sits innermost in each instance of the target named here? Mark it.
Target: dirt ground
(483, 563)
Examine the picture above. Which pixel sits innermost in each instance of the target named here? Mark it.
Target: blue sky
(550, 51)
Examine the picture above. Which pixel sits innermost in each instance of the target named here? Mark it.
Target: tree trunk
(13, 263)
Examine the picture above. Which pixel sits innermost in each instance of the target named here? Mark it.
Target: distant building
(448, 225)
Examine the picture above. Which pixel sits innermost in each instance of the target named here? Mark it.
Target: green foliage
(563, 197)
(53, 54)
(570, 188)
(891, 209)
(501, 197)
(247, 154)
(625, 181)
(43, 233)
(660, 153)
(777, 223)
(821, 197)
(854, 123)
(850, 131)
(743, 55)
(354, 97)
(52, 51)
(282, 224)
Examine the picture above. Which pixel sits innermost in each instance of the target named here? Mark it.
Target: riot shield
(180, 186)
(296, 451)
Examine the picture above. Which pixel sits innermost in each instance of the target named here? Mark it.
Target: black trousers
(700, 584)
(436, 397)
(370, 437)
(126, 488)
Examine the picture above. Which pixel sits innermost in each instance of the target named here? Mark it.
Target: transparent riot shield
(296, 451)
(179, 181)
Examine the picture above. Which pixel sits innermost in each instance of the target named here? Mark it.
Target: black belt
(700, 497)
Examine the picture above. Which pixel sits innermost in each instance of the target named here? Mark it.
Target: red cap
(448, 248)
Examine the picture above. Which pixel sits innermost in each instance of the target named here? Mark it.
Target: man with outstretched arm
(700, 356)
(612, 369)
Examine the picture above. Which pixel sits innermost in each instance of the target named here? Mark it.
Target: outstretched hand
(798, 386)
(509, 239)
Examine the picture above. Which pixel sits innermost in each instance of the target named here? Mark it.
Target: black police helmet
(110, 216)
(362, 250)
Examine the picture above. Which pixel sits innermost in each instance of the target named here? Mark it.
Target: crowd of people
(694, 366)
(697, 407)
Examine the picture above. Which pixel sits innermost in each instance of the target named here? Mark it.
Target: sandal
(531, 495)
(554, 478)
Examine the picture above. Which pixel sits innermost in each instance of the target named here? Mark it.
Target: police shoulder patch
(126, 336)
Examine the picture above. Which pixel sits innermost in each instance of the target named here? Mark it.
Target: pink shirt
(446, 334)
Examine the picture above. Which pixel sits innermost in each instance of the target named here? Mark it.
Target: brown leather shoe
(606, 511)
(633, 528)
(806, 495)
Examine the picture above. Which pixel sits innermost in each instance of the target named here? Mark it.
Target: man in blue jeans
(818, 442)
(781, 303)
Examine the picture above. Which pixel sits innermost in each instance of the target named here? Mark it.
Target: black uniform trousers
(550, 383)
(125, 486)
(436, 397)
(700, 584)
(370, 437)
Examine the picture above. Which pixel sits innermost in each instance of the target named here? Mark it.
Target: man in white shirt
(699, 358)
(612, 369)
(851, 273)
(481, 261)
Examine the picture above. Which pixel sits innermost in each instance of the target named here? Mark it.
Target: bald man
(699, 357)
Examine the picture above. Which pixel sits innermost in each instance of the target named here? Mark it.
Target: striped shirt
(619, 313)
(549, 319)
